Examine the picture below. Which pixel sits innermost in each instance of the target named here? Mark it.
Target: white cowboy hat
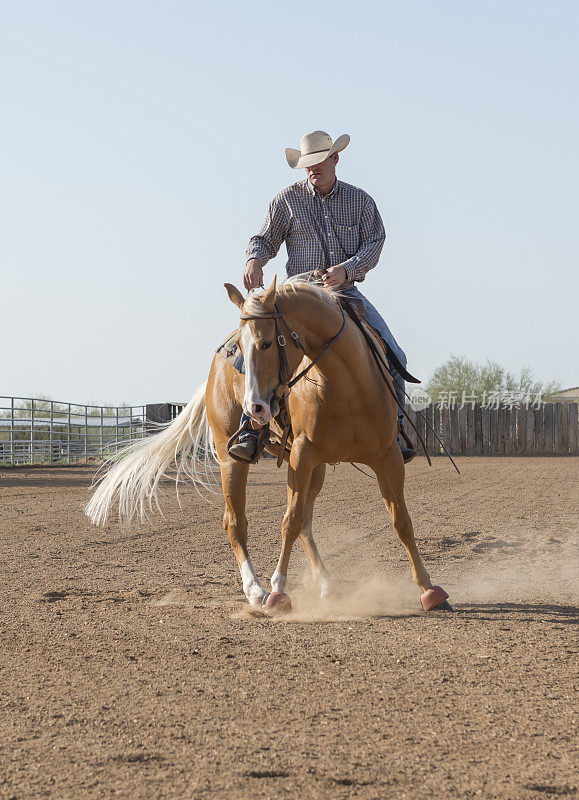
(314, 148)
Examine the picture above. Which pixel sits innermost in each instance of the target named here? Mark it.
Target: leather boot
(245, 448)
(409, 452)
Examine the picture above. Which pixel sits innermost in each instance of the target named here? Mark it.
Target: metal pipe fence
(37, 431)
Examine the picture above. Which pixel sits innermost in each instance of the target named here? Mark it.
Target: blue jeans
(376, 321)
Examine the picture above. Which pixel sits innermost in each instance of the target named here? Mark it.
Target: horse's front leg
(298, 484)
(234, 483)
(320, 574)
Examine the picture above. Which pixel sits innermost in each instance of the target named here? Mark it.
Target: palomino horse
(342, 411)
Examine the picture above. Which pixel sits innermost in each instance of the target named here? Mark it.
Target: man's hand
(253, 274)
(334, 277)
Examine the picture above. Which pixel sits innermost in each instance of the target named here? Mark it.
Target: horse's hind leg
(390, 474)
(320, 574)
(234, 483)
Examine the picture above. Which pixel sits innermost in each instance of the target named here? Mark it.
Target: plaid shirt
(342, 228)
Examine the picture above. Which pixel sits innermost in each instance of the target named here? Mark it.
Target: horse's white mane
(293, 285)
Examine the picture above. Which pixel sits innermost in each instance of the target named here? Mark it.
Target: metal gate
(37, 431)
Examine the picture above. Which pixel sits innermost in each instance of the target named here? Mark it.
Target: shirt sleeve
(372, 238)
(265, 245)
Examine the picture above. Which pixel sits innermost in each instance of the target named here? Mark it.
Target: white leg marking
(278, 581)
(253, 589)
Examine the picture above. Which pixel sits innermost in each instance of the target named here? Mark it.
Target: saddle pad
(231, 353)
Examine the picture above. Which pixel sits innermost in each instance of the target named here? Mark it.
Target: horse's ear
(268, 298)
(234, 295)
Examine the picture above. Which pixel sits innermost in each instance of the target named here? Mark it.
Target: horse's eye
(265, 345)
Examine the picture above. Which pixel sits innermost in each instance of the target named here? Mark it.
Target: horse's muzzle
(259, 411)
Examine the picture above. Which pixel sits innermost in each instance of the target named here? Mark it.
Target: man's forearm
(258, 250)
(365, 259)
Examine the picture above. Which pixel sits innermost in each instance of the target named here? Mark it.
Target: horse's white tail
(133, 482)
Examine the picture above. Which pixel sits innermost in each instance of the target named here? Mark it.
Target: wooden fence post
(494, 431)
(462, 428)
(454, 431)
(559, 447)
(478, 435)
(548, 412)
(421, 427)
(436, 425)
(469, 430)
(565, 428)
(501, 425)
(428, 432)
(521, 430)
(530, 445)
(485, 431)
(508, 425)
(445, 418)
(539, 431)
(573, 438)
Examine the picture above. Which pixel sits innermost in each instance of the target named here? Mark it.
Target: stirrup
(405, 436)
(262, 439)
(410, 452)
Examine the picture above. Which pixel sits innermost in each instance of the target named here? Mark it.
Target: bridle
(285, 374)
(286, 381)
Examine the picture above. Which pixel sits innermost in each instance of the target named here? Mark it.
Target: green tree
(459, 375)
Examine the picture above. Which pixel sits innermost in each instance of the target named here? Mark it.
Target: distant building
(565, 396)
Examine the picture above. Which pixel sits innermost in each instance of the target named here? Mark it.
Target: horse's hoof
(435, 597)
(278, 603)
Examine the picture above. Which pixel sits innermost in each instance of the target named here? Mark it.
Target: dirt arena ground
(130, 667)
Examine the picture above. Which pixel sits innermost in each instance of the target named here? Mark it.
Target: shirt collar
(313, 191)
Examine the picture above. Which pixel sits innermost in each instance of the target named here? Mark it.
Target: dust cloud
(480, 569)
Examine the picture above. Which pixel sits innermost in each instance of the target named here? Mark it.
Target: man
(327, 225)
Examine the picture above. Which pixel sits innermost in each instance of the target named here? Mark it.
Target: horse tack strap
(294, 337)
(319, 356)
(283, 443)
(284, 369)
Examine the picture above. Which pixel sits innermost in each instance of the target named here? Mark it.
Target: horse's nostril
(258, 408)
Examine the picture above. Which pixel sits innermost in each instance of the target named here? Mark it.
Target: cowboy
(327, 225)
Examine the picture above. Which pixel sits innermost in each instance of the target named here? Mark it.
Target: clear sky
(142, 141)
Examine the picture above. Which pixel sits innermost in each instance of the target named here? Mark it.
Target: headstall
(285, 375)
(286, 381)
